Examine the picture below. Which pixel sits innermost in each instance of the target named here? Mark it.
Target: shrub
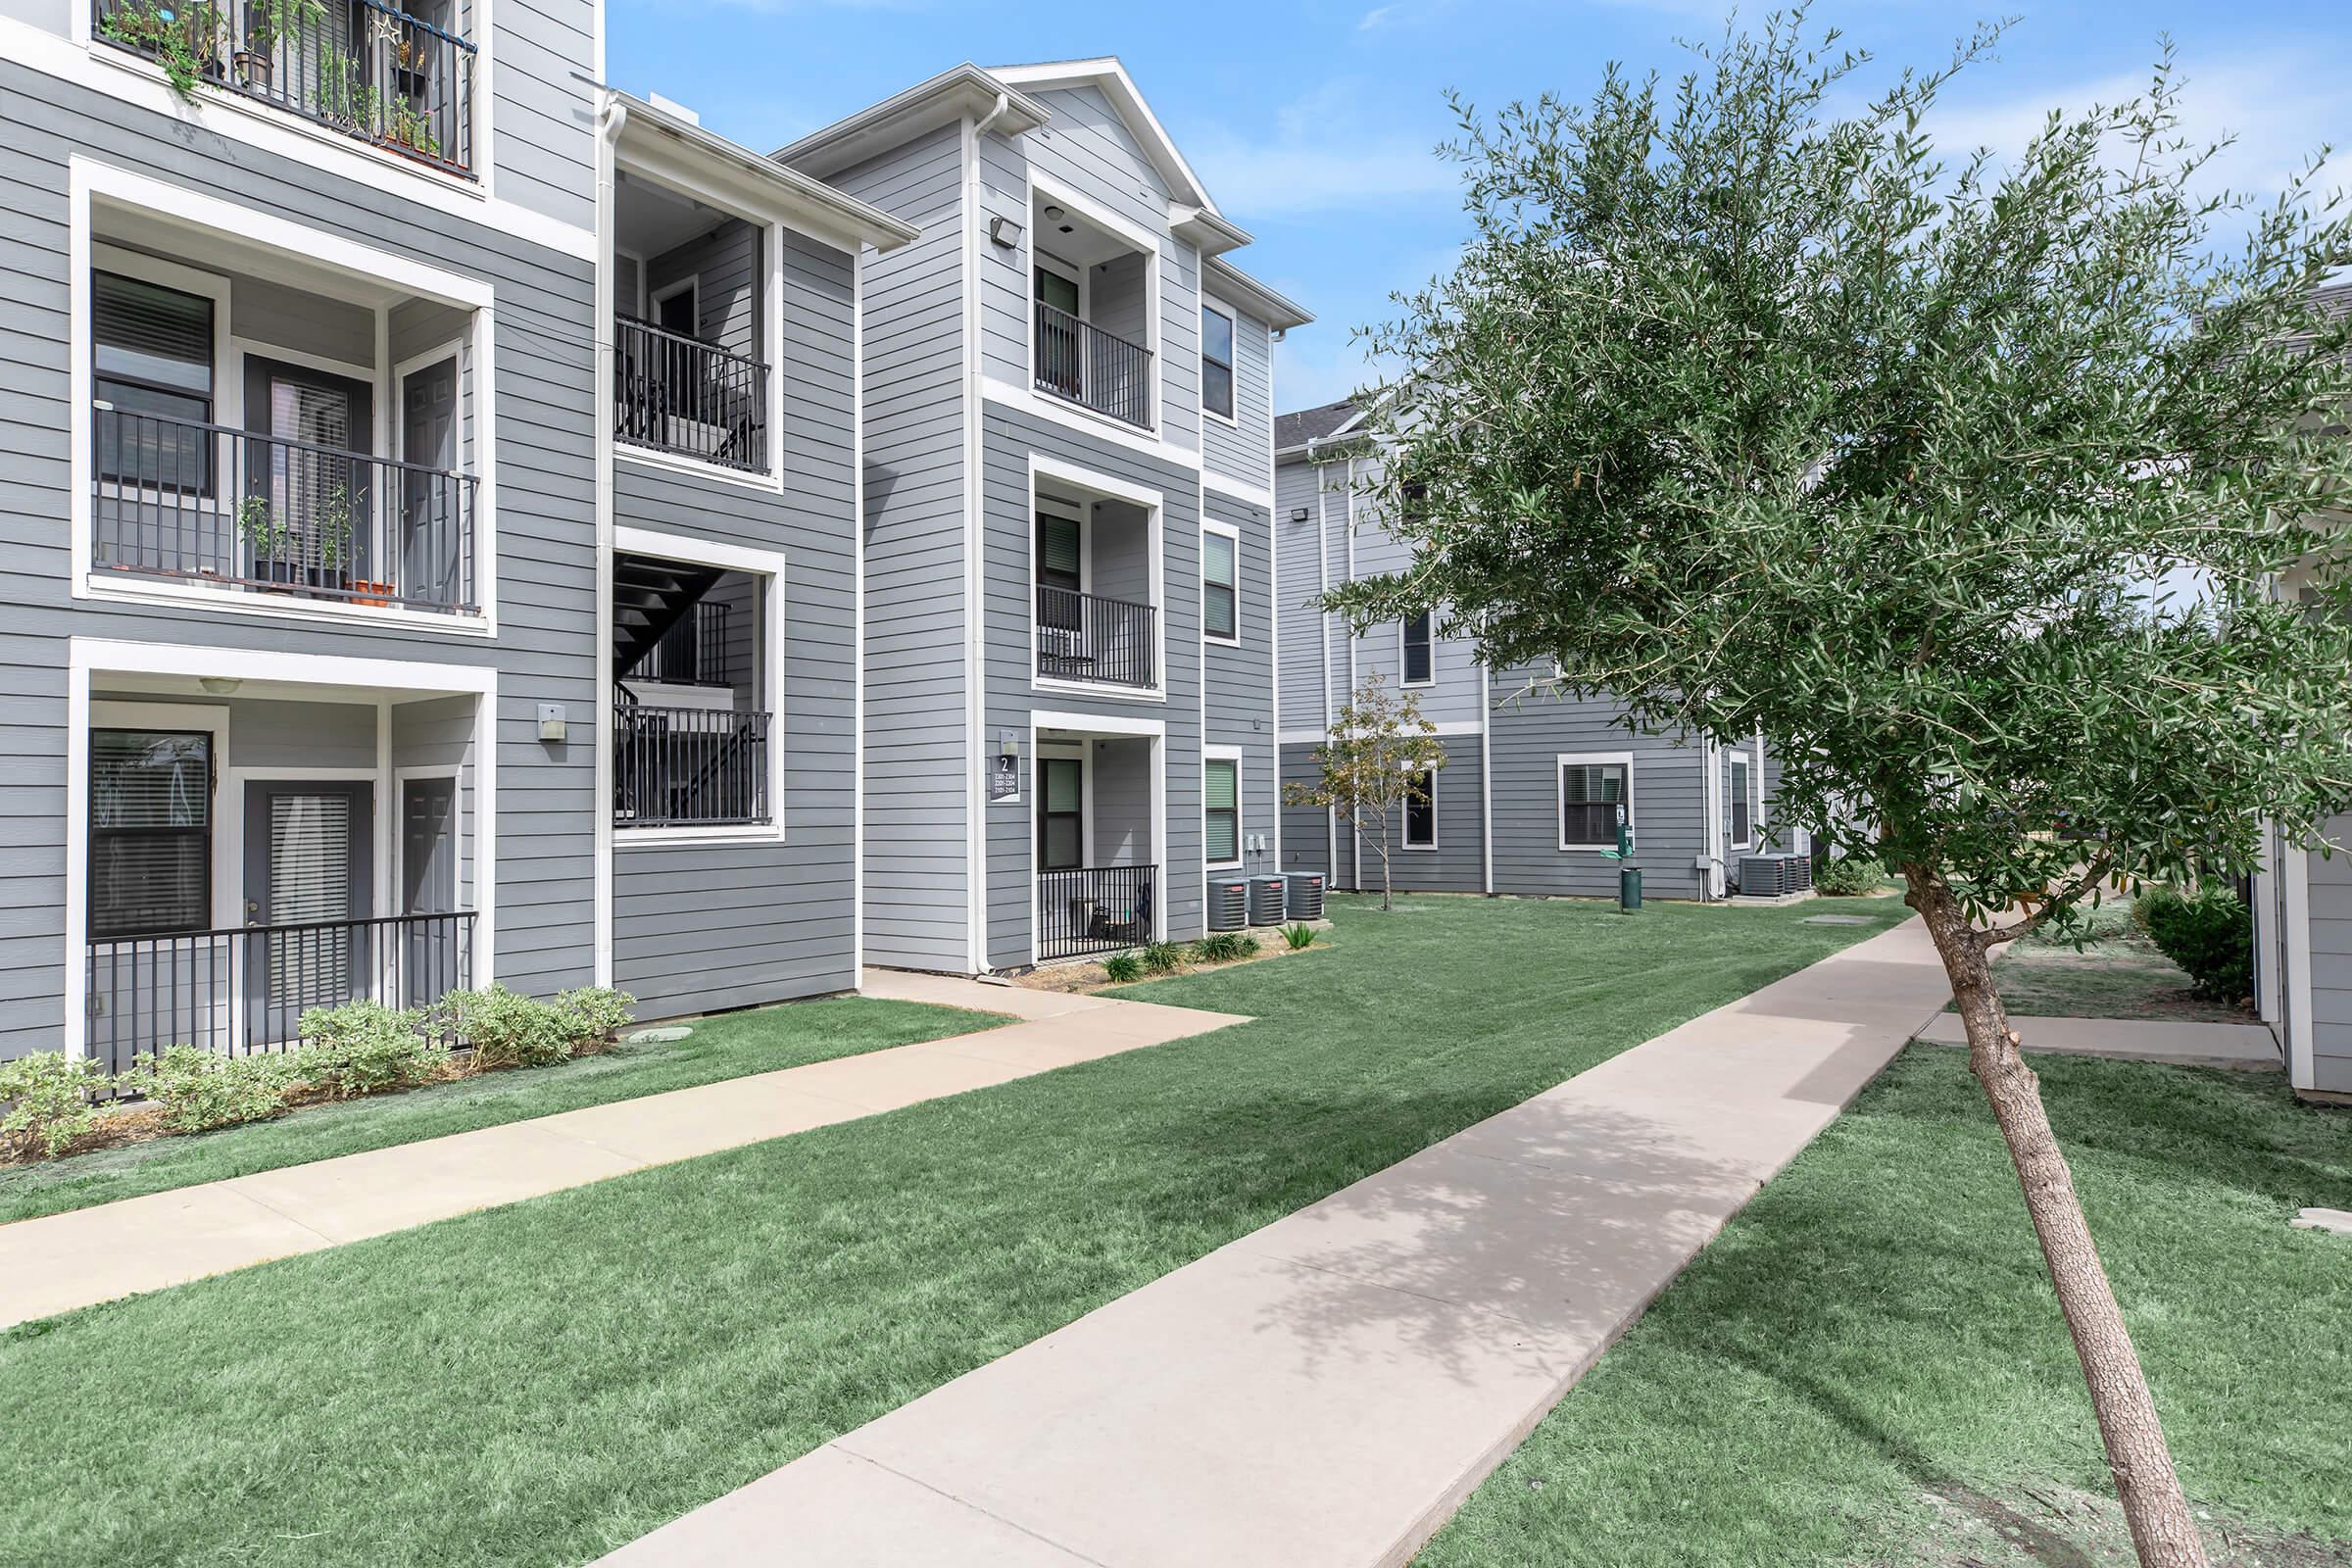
(1848, 877)
(1299, 935)
(595, 1014)
(364, 1048)
(193, 1089)
(2209, 933)
(508, 1029)
(1163, 958)
(50, 1102)
(1122, 968)
(1222, 946)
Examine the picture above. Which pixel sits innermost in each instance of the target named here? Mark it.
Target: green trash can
(1629, 890)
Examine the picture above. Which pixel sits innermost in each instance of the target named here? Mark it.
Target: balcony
(386, 76)
(179, 501)
(689, 768)
(1078, 362)
(243, 989)
(689, 398)
(1099, 909)
(1090, 638)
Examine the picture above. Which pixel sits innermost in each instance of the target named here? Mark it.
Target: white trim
(602, 445)
(229, 892)
(1241, 813)
(976, 821)
(769, 566)
(1086, 421)
(1560, 806)
(1740, 767)
(1209, 525)
(1089, 726)
(1154, 505)
(1233, 319)
(367, 376)
(100, 68)
(2302, 1069)
(1237, 490)
(1405, 816)
(1402, 664)
(856, 612)
(1486, 781)
(1127, 102)
(394, 812)
(86, 657)
(1711, 815)
(1054, 192)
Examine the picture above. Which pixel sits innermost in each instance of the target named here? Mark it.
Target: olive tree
(1971, 480)
(1372, 763)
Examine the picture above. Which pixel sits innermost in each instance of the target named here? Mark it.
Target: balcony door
(306, 518)
(309, 868)
(428, 886)
(428, 544)
(1057, 331)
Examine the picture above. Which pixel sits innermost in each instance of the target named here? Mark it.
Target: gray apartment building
(1070, 610)
(1533, 782)
(464, 523)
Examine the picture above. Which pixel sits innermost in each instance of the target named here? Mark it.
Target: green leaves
(1992, 491)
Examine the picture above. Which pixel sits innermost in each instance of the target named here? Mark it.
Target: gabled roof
(675, 146)
(1295, 431)
(1109, 75)
(939, 100)
(1244, 292)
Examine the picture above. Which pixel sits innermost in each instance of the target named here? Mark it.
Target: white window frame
(1208, 526)
(1559, 809)
(1091, 727)
(1094, 485)
(1405, 813)
(1048, 188)
(1077, 749)
(1742, 770)
(90, 184)
(1404, 664)
(1240, 810)
(1233, 319)
(769, 566)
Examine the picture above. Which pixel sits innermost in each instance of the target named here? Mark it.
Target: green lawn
(1868, 1367)
(729, 1047)
(540, 1383)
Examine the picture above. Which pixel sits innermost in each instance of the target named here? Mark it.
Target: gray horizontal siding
(1237, 690)
(1241, 450)
(545, 511)
(916, 781)
(1299, 558)
(701, 927)
(2329, 880)
(1008, 439)
(545, 113)
(1307, 830)
(1457, 864)
(1669, 781)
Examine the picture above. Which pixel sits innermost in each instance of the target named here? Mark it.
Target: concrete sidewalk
(63, 1262)
(2248, 1047)
(1327, 1389)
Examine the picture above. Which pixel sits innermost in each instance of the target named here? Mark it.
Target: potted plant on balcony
(266, 534)
(266, 23)
(185, 42)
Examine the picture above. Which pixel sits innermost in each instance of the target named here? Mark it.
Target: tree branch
(2100, 864)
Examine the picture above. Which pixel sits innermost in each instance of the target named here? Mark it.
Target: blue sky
(1312, 125)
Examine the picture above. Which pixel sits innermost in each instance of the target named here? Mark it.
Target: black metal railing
(1087, 637)
(679, 394)
(204, 502)
(692, 653)
(373, 72)
(1079, 361)
(244, 989)
(687, 767)
(1100, 908)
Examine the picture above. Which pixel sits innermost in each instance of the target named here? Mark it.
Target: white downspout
(975, 662)
(617, 115)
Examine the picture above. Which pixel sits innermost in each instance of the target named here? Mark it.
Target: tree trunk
(2162, 1530)
(1386, 907)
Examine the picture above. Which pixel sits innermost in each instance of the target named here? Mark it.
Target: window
(151, 361)
(1591, 794)
(1217, 361)
(1062, 815)
(1420, 661)
(151, 832)
(678, 308)
(1221, 795)
(1220, 579)
(1058, 546)
(1743, 811)
(1421, 812)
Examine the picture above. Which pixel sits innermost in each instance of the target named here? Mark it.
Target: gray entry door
(309, 870)
(428, 886)
(429, 546)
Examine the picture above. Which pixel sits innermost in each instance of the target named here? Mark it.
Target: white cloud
(2280, 107)
(1329, 150)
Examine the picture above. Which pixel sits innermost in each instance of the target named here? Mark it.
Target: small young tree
(1759, 419)
(1379, 751)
